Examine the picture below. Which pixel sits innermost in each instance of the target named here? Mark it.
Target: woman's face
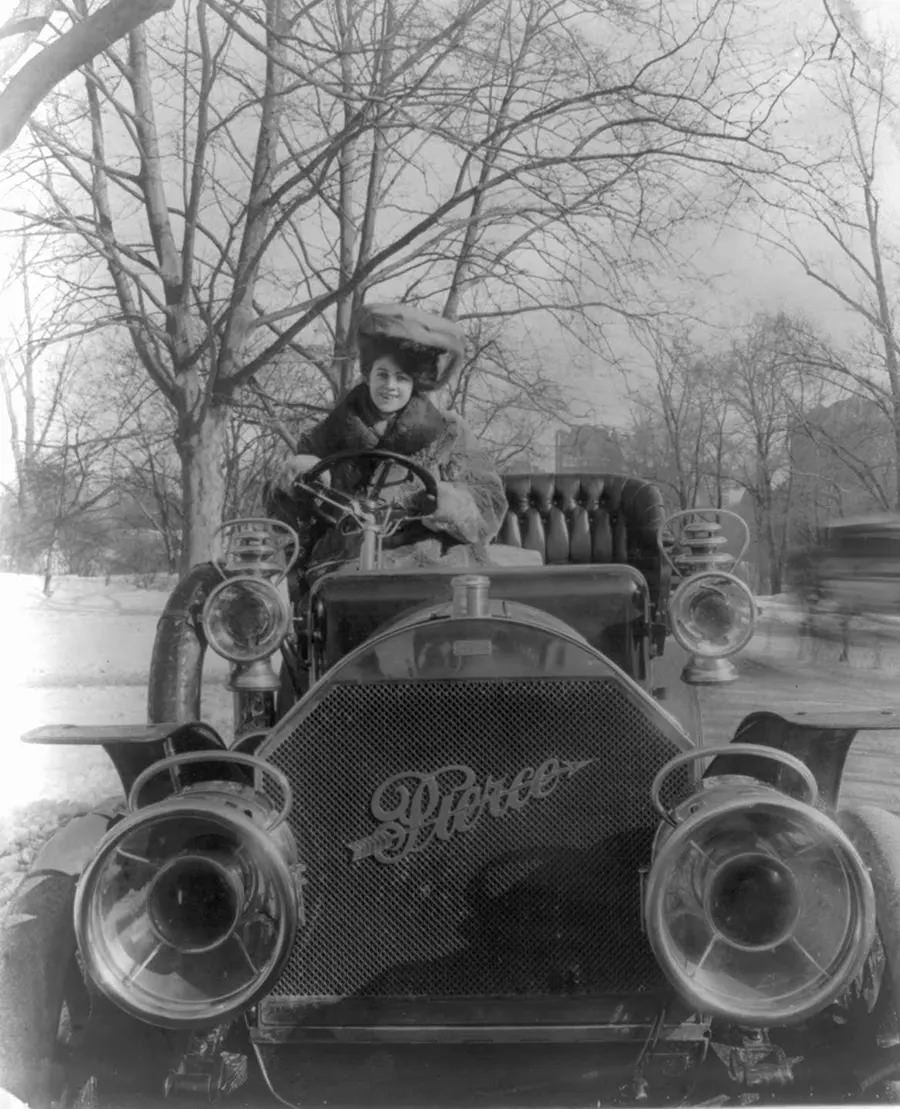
(389, 387)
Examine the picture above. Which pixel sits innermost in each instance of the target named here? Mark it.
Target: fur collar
(349, 426)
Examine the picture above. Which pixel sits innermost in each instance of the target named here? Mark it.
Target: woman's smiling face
(389, 387)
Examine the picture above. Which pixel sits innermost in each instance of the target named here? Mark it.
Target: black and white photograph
(449, 553)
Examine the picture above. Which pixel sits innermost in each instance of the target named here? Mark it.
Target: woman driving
(405, 354)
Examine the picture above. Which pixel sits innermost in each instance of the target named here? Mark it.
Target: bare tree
(842, 447)
(512, 159)
(58, 509)
(723, 420)
(36, 368)
(680, 432)
(66, 481)
(509, 398)
(769, 394)
(837, 231)
(145, 462)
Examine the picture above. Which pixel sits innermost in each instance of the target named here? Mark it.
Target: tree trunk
(48, 567)
(895, 461)
(772, 551)
(201, 448)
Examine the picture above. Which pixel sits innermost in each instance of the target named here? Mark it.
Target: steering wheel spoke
(341, 506)
(368, 508)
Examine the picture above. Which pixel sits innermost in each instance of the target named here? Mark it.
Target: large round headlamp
(188, 912)
(246, 618)
(758, 907)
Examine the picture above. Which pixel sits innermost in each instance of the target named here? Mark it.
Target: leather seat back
(599, 518)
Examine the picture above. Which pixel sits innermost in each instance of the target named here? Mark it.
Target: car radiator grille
(540, 901)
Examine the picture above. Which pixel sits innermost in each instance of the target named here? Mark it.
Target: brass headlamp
(247, 616)
(712, 612)
(189, 909)
(757, 906)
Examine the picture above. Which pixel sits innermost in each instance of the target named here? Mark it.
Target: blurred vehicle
(857, 567)
(476, 862)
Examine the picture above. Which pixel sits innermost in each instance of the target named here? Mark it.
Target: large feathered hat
(430, 348)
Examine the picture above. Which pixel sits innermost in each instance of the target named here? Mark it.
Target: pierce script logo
(413, 810)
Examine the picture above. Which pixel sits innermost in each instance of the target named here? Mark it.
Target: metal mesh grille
(543, 900)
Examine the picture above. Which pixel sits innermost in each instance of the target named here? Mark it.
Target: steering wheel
(335, 506)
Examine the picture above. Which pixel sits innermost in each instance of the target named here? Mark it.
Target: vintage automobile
(478, 861)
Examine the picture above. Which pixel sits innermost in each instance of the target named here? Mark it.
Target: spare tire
(179, 649)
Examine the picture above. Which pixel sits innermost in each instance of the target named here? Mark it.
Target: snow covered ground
(80, 656)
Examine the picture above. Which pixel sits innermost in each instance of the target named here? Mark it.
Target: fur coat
(471, 499)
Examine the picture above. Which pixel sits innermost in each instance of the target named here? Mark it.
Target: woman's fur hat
(430, 348)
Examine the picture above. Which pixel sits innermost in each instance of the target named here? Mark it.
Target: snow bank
(80, 656)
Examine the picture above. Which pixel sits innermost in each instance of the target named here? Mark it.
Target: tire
(42, 994)
(876, 835)
(179, 649)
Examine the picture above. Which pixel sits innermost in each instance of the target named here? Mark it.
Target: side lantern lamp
(712, 612)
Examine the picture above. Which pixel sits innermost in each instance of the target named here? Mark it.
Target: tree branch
(82, 42)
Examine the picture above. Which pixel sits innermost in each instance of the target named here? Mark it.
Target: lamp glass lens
(713, 615)
(244, 619)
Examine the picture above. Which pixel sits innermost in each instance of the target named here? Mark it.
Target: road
(781, 671)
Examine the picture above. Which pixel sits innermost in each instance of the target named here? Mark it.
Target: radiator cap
(470, 595)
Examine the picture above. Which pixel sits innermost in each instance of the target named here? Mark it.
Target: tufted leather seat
(577, 518)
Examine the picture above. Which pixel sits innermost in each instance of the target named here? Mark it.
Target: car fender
(876, 835)
(821, 739)
(72, 847)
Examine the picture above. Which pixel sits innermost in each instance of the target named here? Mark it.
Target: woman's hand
(456, 513)
(295, 466)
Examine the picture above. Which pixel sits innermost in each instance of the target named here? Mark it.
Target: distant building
(589, 449)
